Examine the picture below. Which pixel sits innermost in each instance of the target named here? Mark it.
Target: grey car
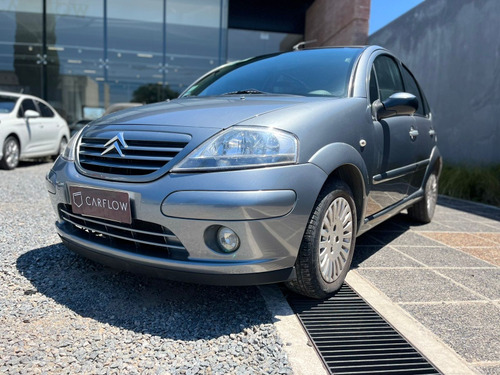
(263, 170)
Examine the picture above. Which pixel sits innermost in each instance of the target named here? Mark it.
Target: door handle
(432, 132)
(413, 133)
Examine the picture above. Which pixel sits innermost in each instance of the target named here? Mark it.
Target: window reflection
(21, 49)
(100, 52)
(243, 44)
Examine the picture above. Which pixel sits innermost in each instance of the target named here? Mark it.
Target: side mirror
(399, 103)
(29, 113)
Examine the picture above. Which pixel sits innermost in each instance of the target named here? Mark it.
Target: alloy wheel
(11, 156)
(335, 239)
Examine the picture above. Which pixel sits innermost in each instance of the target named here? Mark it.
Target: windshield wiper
(249, 91)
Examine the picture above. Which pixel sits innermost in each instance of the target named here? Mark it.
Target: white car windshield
(7, 103)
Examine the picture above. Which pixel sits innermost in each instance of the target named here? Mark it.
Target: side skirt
(377, 218)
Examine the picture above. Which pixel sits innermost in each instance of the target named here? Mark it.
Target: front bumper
(267, 207)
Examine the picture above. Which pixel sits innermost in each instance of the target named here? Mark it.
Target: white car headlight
(242, 147)
(69, 151)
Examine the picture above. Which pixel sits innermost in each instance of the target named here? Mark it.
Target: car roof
(13, 94)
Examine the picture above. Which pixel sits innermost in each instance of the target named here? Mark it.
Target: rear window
(7, 104)
(46, 111)
(322, 72)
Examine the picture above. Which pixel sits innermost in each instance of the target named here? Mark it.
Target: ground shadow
(138, 303)
(483, 210)
(31, 162)
(375, 239)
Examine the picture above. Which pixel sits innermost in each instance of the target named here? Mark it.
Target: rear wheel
(423, 211)
(327, 248)
(11, 153)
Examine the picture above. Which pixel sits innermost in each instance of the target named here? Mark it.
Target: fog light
(228, 240)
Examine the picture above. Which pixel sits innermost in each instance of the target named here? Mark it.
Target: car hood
(5, 116)
(210, 112)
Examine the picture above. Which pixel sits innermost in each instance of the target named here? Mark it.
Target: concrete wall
(453, 48)
(337, 22)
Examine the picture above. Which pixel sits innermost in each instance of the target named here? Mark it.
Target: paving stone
(494, 237)
(488, 254)
(416, 285)
(471, 329)
(409, 238)
(459, 239)
(482, 281)
(466, 226)
(374, 256)
(489, 370)
(434, 256)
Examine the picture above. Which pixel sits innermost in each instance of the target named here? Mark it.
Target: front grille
(140, 237)
(131, 153)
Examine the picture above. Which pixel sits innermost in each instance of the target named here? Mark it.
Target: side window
(373, 86)
(25, 105)
(45, 110)
(411, 86)
(388, 76)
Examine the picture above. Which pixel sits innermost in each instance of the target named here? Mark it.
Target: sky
(386, 11)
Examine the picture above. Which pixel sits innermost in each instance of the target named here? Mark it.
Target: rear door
(425, 139)
(50, 127)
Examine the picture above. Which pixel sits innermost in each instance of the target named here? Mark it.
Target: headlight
(242, 147)
(69, 151)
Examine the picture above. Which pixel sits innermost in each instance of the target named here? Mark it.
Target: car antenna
(301, 45)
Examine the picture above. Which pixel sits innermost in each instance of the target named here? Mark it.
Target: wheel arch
(341, 161)
(435, 165)
(16, 136)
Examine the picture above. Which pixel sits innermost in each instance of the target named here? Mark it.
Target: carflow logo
(114, 143)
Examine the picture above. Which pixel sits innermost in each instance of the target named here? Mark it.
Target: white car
(29, 128)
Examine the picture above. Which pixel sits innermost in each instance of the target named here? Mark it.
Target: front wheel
(327, 248)
(11, 153)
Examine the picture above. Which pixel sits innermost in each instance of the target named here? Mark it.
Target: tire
(423, 211)
(325, 254)
(11, 153)
(62, 146)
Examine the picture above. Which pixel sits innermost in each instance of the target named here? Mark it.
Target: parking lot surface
(444, 275)
(60, 313)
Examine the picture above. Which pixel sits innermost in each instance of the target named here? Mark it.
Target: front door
(395, 154)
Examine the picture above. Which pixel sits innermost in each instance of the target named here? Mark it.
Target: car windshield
(321, 72)
(7, 103)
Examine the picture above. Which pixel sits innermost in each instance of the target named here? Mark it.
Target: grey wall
(453, 48)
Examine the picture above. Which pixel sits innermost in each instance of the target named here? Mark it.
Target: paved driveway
(444, 274)
(60, 313)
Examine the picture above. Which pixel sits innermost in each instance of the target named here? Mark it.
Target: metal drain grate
(352, 338)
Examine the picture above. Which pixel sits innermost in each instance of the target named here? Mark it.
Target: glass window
(75, 43)
(21, 46)
(7, 104)
(135, 51)
(411, 86)
(25, 105)
(309, 72)
(194, 40)
(373, 86)
(388, 76)
(45, 110)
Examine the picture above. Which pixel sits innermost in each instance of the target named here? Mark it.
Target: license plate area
(105, 204)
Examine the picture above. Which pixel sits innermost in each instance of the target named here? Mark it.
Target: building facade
(84, 55)
(453, 47)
